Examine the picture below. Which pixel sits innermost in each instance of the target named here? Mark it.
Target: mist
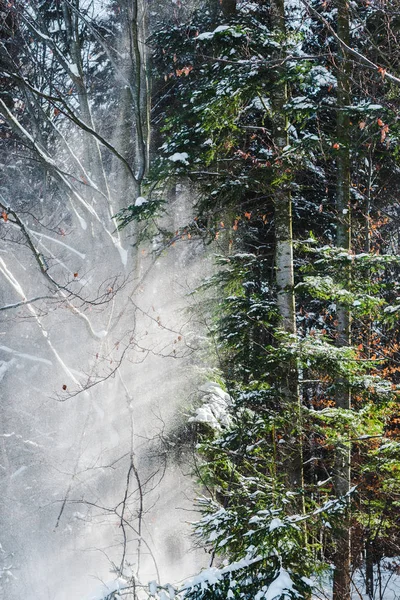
(67, 453)
(98, 353)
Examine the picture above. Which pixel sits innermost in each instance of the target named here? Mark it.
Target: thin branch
(69, 113)
(360, 57)
(24, 302)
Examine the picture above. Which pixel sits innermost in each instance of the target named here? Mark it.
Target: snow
(301, 103)
(221, 28)
(280, 586)
(105, 589)
(321, 77)
(214, 410)
(261, 103)
(153, 588)
(390, 583)
(212, 575)
(73, 69)
(275, 523)
(179, 157)
(208, 35)
(140, 200)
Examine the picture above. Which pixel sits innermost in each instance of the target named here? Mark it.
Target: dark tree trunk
(342, 558)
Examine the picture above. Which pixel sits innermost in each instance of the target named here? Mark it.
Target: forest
(200, 299)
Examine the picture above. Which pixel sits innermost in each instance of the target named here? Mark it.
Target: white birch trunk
(284, 263)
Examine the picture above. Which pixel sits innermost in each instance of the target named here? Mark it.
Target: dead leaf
(382, 71)
(384, 132)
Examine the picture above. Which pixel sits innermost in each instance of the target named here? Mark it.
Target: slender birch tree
(284, 245)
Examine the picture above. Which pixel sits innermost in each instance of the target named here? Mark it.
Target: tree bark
(284, 258)
(228, 8)
(342, 558)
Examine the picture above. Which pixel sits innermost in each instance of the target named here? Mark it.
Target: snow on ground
(387, 587)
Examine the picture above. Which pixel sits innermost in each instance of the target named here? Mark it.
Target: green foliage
(217, 123)
(149, 209)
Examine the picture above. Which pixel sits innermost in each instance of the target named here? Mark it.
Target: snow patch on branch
(179, 157)
(214, 410)
(106, 589)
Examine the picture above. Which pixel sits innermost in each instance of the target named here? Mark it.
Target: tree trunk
(228, 8)
(284, 260)
(369, 566)
(342, 558)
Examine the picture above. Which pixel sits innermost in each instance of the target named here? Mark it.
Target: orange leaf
(384, 131)
(362, 125)
(4, 215)
(75, 275)
(336, 146)
(380, 122)
(247, 215)
(382, 71)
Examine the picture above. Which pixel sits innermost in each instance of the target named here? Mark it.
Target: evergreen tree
(258, 112)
